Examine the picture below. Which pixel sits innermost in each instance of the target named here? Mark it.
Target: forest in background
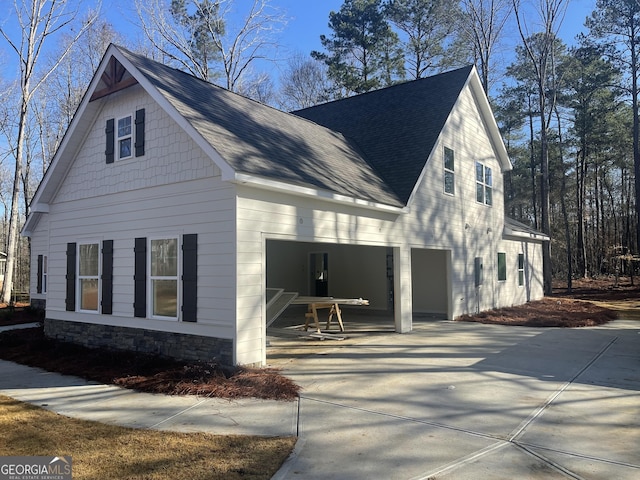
(567, 108)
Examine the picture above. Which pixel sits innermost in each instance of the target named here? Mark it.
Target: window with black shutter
(70, 300)
(140, 277)
(39, 280)
(110, 140)
(107, 277)
(139, 145)
(189, 277)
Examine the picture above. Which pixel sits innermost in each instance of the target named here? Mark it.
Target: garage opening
(431, 285)
(298, 270)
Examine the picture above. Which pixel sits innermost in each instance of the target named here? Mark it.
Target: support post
(403, 305)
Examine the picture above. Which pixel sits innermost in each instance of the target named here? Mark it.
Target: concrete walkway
(446, 401)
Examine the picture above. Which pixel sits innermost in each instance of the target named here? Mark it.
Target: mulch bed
(548, 312)
(143, 372)
(18, 314)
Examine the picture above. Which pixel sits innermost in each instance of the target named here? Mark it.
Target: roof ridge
(395, 85)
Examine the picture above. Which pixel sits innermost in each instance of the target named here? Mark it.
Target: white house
(173, 204)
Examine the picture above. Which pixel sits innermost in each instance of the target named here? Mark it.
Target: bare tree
(235, 48)
(38, 20)
(304, 83)
(482, 24)
(541, 49)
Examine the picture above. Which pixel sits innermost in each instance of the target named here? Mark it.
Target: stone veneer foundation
(166, 344)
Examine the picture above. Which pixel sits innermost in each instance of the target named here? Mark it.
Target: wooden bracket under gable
(113, 79)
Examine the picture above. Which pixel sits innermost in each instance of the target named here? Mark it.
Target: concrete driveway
(471, 401)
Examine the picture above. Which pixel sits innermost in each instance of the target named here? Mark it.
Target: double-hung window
(502, 267)
(484, 184)
(125, 137)
(163, 277)
(521, 269)
(45, 273)
(89, 279)
(88, 276)
(166, 277)
(449, 172)
(42, 273)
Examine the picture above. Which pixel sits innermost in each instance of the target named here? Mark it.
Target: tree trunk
(581, 250)
(532, 165)
(544, 189)
(14, 219)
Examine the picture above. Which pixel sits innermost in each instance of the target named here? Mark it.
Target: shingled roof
(396, 127)
(259, 140)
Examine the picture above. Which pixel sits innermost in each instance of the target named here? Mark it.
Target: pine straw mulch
(566, 308)
(548, 312)
(144, 372)
(18, 313)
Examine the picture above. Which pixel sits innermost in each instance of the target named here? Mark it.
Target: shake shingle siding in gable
(259, 140)
(396, 127)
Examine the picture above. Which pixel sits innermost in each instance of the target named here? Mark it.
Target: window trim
(177, 277)
(79, 277)
(482, 183)
(502, 268)
(130, 136)
(449, 171)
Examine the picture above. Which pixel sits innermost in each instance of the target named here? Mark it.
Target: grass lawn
(102, 451)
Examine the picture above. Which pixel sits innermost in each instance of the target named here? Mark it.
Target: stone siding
(166, 344)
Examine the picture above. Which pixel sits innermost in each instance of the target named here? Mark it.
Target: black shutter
(110, 141)
(140, 278)
(71, 277)
(190, 277)
(139, 132)
(39, 280)
(107, 277)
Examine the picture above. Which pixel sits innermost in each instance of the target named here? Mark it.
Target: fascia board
(55, 166)
(540, 237)
(489, 120)
(324, 195)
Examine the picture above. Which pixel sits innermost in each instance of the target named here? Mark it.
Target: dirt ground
(591, 302)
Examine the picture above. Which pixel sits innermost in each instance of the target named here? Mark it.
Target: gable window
(521, 269)
(88, 276)
(502, 266)
(125, 137)
(484, 184)
(449, 171)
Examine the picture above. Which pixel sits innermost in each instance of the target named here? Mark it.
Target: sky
(306, 21)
